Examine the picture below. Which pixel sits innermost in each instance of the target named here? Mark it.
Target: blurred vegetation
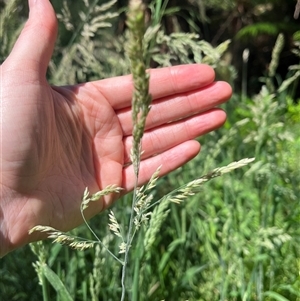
(238, 239)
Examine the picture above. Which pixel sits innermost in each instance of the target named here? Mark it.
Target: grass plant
(234, 238)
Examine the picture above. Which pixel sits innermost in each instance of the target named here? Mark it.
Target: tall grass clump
(181, 237)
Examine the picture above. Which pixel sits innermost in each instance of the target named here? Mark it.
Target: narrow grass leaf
(275, 296)
(56, 283)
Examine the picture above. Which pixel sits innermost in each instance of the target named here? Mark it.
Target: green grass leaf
(56, 283)
(275, 296)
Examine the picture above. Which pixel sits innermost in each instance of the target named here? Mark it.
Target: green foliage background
(238, 239)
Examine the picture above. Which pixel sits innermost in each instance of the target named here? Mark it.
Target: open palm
(58, 140)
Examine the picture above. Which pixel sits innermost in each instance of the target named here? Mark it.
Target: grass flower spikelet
(114, 226)
(87, 198)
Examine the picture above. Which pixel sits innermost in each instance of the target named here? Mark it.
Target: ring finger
(160, 139)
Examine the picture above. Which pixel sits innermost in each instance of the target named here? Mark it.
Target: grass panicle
(10, 28)
(96, 277)
(274, 62)
(276, 55)
(158, 216)
(64, 238)
(140, 107)
(179, 195)
(141, 98)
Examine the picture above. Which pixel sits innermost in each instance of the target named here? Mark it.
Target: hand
(55, 141)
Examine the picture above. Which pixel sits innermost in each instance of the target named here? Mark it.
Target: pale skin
(55, 141)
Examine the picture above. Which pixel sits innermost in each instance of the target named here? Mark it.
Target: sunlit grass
(237, 239)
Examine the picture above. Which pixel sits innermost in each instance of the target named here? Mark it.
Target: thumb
(34, 47)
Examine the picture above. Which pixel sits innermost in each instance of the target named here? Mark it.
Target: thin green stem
(100, 242)
(137, 266)
(44, 287)
(129, 239)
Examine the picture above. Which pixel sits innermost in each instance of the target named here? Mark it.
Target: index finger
(163, 82)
